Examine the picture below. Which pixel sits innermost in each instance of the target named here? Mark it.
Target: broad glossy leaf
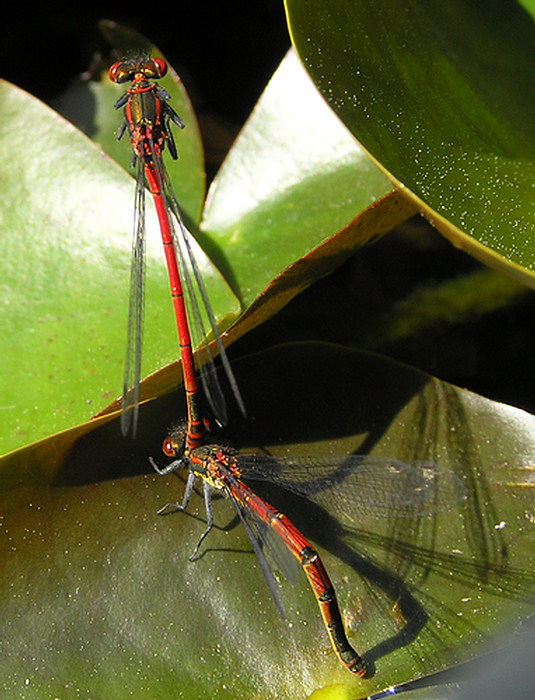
(294, 177)
(440, 95)
(66, 217)
(99, 595)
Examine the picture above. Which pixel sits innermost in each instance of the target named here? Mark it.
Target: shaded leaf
(127, 612)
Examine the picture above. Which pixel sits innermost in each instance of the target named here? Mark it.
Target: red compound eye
(161, 67)
(117, 73)
(167, 447)
(153, 68)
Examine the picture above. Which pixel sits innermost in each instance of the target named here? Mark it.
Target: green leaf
(98, 592)
(67, 218)
(66, 222)
(440, 95)
(294, 177)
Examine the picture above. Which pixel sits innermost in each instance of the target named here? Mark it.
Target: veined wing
(362, 483)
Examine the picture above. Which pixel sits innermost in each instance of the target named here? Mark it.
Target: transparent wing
(362, 484)
(263, 540)
(197, 299)
(134, 340)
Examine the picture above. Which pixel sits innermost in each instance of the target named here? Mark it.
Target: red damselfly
(147, 116)
(376, 485)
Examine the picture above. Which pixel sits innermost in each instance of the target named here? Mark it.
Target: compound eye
(118, 74)
(154, 68)
(160, 67)
(168, 448)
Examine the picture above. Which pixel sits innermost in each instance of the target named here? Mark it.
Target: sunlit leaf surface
(440, 94)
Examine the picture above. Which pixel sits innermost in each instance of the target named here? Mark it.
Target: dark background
(226, 52)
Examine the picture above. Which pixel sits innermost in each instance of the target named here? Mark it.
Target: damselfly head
(137, 68)
(175, 442)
